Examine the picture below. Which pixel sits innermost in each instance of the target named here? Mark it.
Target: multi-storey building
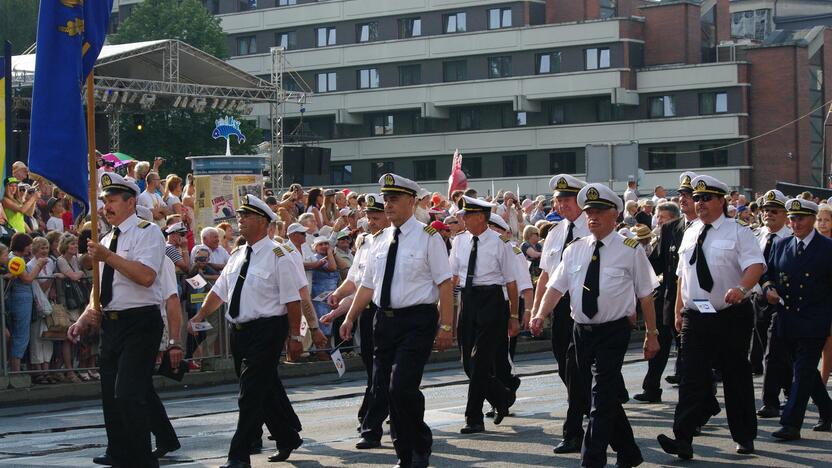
(522, 87)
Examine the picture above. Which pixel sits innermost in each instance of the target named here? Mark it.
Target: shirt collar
(784, 231)
(805, 240)
(607, 240)
(259, 245)
(717, 222)
(409, 225)
(128, 223)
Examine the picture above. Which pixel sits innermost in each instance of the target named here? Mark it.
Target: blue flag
(70, 36)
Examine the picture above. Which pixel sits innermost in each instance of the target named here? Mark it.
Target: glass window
(287, 2)
(597, 58)
(456, 70)
(563, 162)
(410, 75)
(367, 32)
(378, 169)
(472, 167)
(662, 106)
(340, 174)
(548, 63)
(326, 82)
(454, 22)
(287, 40)
(713, 103)
(368, 78)
(521, 119)
(661, 158)
(605, 111)
(557, 114)
(709, 156)
(499, 18)
(468, 119)
(410, 27)
(514, 165)
(325, 37)
(499, 67)
(607, 8)
(246, 45)
(382, 125)
(603, 58)
(721, 103)
(424, 170)
(213, 7)
(245, 5)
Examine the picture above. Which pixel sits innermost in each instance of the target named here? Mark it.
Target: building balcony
(687, 77)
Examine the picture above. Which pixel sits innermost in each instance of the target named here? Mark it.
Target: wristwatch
(445, 327)
(743, 290)
(174, 344)
(297, 338)
(654, 331)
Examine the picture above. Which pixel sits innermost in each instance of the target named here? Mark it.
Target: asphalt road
(69, 435)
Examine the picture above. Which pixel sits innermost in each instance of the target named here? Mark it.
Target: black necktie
(108, 273)
(592, 282)
(234, 305)
(800, 248)
(767, 248)
(389, 268)
(703, 273)
(472, 265)
(687, 224)
(568, 236)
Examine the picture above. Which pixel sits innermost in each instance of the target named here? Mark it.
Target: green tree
(186, 20)
(18, 23)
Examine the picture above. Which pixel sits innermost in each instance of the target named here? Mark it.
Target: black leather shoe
(364, 444)
(823, 425)
(568, 446)
(649, 397)
(231, 463)
(622, 462)
(401, 464)
(256, 447)
(673, 379)
(490, 413)
(499, 415)
(675, 447)
(282, 454)
(768, 412)
(161, 451)
(745, 448)
(472, 429)
(420, 460)
(105, 459)
(787, 433)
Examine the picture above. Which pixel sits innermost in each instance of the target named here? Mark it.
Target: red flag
(457, 180)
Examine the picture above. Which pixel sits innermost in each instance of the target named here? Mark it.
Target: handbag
(57, 323)
(76, 295)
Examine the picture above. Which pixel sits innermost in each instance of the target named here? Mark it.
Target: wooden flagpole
(93, 182)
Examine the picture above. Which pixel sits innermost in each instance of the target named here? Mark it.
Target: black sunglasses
(705, 197)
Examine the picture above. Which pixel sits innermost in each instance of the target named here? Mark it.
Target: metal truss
(184, 89)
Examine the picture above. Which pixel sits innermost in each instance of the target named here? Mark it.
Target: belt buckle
(238, 326)
(389, 312)
(112, 315)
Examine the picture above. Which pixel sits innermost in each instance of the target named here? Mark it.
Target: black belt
(390, 312)
(254, 323)
(128, 313)
(601, 326)
(484, 288)
(728, 309)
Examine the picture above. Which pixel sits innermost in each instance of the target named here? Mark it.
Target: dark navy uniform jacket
(804, 283)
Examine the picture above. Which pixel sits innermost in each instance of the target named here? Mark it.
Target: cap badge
(106, 181)
(371, 201)
(388, 180)
(592, 194)
(245, 200)
(701, 185)
(796, 205)
(562, 184)
(770, 195)
(686, 180)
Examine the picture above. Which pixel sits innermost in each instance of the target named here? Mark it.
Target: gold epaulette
(505, 239)
(631, 243)
(517, 250)
(378, 233)
(742, 223)
(430, 230)
(288, 248)
(144, 224)
(278, 251)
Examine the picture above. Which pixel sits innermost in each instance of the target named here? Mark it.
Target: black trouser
(656, 366)
(256, 347)
(718, 340)
(505, 358)
(777, 374)
(374, 407)
(403, 341)
(482, 331)
(129, 343)
(160, 425)
(577, 389)
(600, 349)
(806, 354)
(759, 340)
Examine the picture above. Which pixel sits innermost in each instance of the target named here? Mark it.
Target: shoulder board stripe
(517, 250)
(288, 248)
(504, 239)
(278, 251)
(379, 232)
(631, 243)
(430, 230)
(143, 224)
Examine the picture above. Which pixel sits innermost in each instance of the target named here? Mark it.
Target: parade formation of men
(735, 299)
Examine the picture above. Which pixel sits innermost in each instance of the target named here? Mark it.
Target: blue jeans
(20, 308)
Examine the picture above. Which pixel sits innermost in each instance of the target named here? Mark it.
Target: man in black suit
(664, 260)
(797, 283)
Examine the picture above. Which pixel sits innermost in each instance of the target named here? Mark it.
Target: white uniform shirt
(421, 265)
(139, 244)
(167, 284)
(521, 273)
(55, 224)
(762, 238)
(630, 195)
(729, 248)
(553, 245)
(495, 259)
(271, 282)
(359, 263)
(625, 273)
(297, 260)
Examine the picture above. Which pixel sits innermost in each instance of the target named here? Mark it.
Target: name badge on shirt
(704, 306)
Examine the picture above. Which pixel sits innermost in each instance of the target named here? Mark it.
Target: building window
(557, 114)
(563, 162)
(520, 119)
(468, 119)
(662, 106)
(607, 8)
(366, 32)
(245, 5)
(410, 27)
(597, 58)
(711, 157)
(499, 67)
(424, 170)
(456, 70)
(499, 18)
(326, 82)
(605, 111)
(511, 119)
(325, 36)
(368, 78)
(287, 2)
(289, 83)
(378, 169)
(454, 23)
(213, 6)
(661, 158)
(752, 24)
(713, 103)
(548, 63)
(382, 125)
(410, 75)
(287, 40)
(246, 45)
(472, 167)
(514, 165)
(340, 174)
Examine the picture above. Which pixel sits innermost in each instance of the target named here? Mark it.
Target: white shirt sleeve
(748, 249)
(559, 279)
(454, 262)
(440, 267)
(288, 283)
(505, 257)
(151, 249)
(168, 279)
